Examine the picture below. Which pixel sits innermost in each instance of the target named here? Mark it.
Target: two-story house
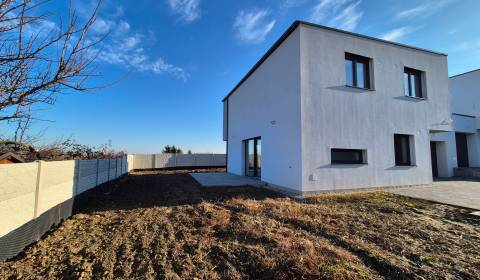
(326, 109)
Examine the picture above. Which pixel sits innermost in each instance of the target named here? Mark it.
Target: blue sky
(174, 60)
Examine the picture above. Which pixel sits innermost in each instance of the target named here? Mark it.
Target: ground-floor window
(347, 156)
(403, 149)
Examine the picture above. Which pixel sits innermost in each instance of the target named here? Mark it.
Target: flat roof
(294, 26)
(468, 72)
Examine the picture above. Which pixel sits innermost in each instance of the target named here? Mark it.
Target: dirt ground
(162, 225)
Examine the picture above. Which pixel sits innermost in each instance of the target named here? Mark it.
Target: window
(403, 151)
(357, 71)
(413, 83)
(347, 156)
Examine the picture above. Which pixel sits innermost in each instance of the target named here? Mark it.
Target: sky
(169, 63)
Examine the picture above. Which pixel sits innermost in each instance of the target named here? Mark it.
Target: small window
(357, 71)
(412, 80)
(403, 152)
(347, 156)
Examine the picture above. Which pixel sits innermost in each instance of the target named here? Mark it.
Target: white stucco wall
(465, 94)
(335, 116)
(267, 104)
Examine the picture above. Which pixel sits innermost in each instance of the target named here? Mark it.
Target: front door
(462, 149)
(433, 152)
(253, 152)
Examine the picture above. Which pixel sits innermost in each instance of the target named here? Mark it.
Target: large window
(347, 156)
(413, 83)
(357, 71)
(403, 153)
(253, 156)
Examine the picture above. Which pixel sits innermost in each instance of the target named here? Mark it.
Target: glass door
(258, 157)
(253, 151)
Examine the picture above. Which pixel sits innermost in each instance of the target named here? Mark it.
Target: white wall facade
(301, 87)
(465, 95)
(267, 105)
(336, 116)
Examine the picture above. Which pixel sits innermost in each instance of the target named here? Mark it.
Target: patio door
(253, 154)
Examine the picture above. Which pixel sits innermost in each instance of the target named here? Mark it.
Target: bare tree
(39, 59)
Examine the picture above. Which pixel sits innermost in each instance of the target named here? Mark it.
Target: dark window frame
(399, 161)
(419, 80)
(361, 158)
(255, 155)
(366, 70)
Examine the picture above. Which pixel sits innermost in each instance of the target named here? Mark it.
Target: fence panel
(17, 194)
(56, 184)
(102, 171)
(185, 160)
(150, 161)
(113, 169)
(204, 160)
(87, 175)
(143, 162)
(164, 160)
(219, 159)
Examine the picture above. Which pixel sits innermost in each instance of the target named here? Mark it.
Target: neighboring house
(7, 158)
(326, 109)
(465, 96)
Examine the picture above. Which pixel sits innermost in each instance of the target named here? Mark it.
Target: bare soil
(162, 225)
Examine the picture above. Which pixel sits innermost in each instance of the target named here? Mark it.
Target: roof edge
(468, 72)
(294, 26)
(370, 37)
(277, 43)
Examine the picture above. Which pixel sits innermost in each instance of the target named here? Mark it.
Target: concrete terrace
(212, 179)
(459, 193)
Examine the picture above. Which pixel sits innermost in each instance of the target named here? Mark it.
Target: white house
(465, 98)
(326, 109)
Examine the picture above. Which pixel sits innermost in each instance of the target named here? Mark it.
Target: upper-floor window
(413, 83)
(357, 71)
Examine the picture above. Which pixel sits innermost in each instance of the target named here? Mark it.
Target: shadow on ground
(165, 188)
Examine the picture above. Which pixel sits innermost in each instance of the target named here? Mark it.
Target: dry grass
(162, 225)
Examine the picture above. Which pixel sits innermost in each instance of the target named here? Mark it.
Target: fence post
(153, 161)
(108, 178)
(96, 180)
(76, 177)
(134, 164)
(37, 188)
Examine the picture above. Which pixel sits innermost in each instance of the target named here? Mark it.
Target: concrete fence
(34, 196)
(153, 161)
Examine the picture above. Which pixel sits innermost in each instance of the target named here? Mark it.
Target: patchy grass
(162, 225)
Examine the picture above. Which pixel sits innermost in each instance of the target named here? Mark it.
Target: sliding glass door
(253, 153)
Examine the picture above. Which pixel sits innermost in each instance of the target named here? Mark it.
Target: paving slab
(458, 193)
(212, 179)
